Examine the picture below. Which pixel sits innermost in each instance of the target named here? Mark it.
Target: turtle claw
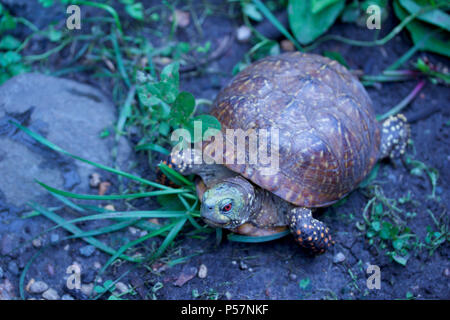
(310, 233)
(394, 137)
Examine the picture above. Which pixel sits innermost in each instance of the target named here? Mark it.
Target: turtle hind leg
(310, 233)
(395, 133)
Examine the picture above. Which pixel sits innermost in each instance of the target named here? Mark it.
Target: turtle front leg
(395, 134)
(310, 233)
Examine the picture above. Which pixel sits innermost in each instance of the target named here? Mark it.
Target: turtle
(329, 140)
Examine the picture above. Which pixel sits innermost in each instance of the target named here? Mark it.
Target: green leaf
(46, 3)
(170, 74)
(336, 56)
(436, 42)
(319, 5)
(376, 226)
(250, 10)
(400, 259)
(135, 10)
(255, 239)
(435, 17)
(9, 43)
(304, 283)
(7, 22)
(183, 107)
(53, 34)
(9, 57)
(207, 122)
(152, 147)
(308, 26)
(385, 232)
(351, 12)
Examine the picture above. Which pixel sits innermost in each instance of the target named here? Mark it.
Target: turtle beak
(213, 218)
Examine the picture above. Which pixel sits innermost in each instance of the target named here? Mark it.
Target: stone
(339, 257)
(87, 251)
(38, 287)
(87, 289)
(67, 297)
(243, 34)
(70, 115)
(1, 273)
(54, 238)
(50, 294)
(6, 290)
(202, 271)
(37, 243)
(13, 268)
(8, 243)
(122, 287)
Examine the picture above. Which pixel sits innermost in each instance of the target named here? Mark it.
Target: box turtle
(329, 140)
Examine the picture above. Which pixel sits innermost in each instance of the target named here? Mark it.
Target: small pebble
(87, 289)
(94, 180)
(87, 251)
(13, 267)
(243, 265)
(234, 262)
(446, 272)
(54, 238)
(182, 18)
(133, 230)
(50, 269)
(250, 269)
(287, 45)
(228, 295)
(66, 247)
(37, 287)
(143, 233)
(110, 207)
(243, 34)
(293, 276)
(97, 265)
(122, 287)
(37, 243)
(202, 271)
(67, 297)
(50, 294)
(339, 257)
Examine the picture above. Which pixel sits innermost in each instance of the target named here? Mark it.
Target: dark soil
(280, 269)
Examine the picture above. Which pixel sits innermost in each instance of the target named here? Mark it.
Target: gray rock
(38, 287)
(8, 244)
(6, 290)
(202, 271)
(50, 294)
(69, 114)
(54, 238)
(87, 289)
(87, 251)
(13, 268)
(67, 297)
(339, 257)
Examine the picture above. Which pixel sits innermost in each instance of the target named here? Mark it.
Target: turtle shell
(328, 136)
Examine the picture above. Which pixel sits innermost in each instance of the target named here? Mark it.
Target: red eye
(227, 207)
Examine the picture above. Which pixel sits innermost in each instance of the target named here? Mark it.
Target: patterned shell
(328, 136)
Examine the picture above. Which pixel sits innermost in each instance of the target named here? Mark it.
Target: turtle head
(228, 204)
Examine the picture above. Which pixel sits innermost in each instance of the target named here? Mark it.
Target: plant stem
(404, 102)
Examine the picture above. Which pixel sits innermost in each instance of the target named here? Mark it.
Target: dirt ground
(280, 269)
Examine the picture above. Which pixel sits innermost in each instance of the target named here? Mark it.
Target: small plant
(11, 61)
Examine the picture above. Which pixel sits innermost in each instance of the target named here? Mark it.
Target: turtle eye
(227, 207)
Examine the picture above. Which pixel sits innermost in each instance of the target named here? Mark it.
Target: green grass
(145, 86)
